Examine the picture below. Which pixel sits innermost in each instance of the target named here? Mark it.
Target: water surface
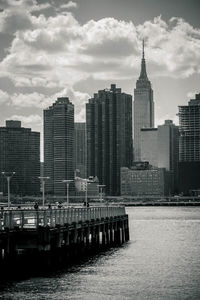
(161, 261)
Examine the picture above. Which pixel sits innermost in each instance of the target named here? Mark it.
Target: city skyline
(74, 48)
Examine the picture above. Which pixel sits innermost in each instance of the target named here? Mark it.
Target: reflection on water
(161, 261)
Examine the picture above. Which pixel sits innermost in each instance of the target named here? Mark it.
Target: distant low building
(145, 182)
(91, 183)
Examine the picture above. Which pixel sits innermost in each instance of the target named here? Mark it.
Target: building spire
(143, 73)
(143, 48)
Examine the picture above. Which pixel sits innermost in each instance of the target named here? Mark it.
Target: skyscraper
(20, 153)
(189, 120)
(59, 145)
(143, 108)
(149, 146)
(168, 146)
(80, 148)
(189, 146)
(168, 150)
(109, 136)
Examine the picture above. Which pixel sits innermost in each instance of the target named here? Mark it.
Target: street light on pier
(101, 186)
(42, 178)
(8, 176)
(67, 181)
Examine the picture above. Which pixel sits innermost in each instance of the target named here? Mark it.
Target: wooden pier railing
(33, 218)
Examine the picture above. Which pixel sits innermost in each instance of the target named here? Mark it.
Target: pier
(35, 240)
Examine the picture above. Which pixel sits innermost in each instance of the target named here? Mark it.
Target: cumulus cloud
(4, 97)
(191, 95)
(58, 51)
(27, 120)
(79, 100)
(41, 101)
(30, 100)
(70, 4)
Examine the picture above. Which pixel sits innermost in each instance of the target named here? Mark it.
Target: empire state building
(143, 107)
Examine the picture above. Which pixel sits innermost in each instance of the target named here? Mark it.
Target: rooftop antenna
(143, 48)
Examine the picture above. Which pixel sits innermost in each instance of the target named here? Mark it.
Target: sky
(75, 48)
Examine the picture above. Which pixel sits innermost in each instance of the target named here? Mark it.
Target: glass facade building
(59, 145)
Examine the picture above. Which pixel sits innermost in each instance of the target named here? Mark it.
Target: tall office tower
(189, 120)
(149, 146)
(168, 150)
(59, 145)
(189, 145)
(109, 136)
(20, 153)
(143, 108)
(80, 149)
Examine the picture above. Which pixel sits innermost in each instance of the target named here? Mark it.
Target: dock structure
(41, 239)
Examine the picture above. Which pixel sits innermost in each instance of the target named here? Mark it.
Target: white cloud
(41, 101)
(79, 99)
(4, 97)
(191, 95)
(58, 51)
(30, 100)
(70, 4)
(27, 120)
(174, 118)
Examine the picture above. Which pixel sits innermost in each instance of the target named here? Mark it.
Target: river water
(161, 261)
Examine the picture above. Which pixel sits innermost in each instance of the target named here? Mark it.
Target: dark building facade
(59, 145)
(143, 108)
(80, 149)
(189, 145)
(20, 153)
(109, 136)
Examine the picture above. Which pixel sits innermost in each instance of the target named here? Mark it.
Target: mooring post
(122, 231)
(111, 231)
(126, 229)
(118, 232)
(107, 232)
(103, 235)
(87, 235)
(93, 233)
(98, 235)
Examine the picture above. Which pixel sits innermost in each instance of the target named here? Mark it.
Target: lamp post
(67, 181)
(8, 176)
(101, 186)
(86, 182)
(42, 178)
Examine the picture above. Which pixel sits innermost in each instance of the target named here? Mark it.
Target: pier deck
(42, 238)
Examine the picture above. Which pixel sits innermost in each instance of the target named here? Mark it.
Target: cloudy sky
(74, 48)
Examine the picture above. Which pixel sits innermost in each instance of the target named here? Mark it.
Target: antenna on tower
(143, 48)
